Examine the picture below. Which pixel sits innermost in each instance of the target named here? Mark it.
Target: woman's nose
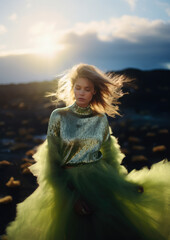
(82, 92)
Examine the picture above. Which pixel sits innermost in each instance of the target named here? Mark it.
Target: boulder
(6, 199)
(13, 183)
(160, 148)
(139, 158)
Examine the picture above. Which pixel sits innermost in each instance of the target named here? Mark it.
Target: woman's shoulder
(56, 113)
(103, 119)
(103, 116)
(99, 114)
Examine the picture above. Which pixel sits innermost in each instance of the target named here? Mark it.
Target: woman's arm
(54, 143)
(47, 156)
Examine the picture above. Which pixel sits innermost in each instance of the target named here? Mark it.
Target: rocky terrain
(142, 131)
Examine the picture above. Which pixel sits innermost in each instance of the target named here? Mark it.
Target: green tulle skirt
(123, 206)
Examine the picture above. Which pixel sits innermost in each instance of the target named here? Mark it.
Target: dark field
(142, 131)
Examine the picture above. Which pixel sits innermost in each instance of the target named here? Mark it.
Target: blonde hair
(108, 88)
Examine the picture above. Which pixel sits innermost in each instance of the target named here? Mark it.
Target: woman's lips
(81, 99)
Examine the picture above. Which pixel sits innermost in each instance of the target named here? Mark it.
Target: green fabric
(120, 210)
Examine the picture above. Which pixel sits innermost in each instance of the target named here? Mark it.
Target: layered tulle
(134, 205)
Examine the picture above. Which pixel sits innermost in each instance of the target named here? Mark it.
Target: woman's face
(83, 91)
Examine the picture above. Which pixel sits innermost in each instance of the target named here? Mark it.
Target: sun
(48, 46)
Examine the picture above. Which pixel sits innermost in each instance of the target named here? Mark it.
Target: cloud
(42, 27)
(15, 52)
(128, 41)
(114, 44)
(45, 37)
(119, 53)
(13, 17)
(132, 3)
(2, 29)
(42, 37)
(130, 28)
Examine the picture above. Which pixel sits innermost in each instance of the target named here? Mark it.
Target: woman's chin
(82, 103)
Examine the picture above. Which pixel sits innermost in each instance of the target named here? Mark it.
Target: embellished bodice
(81, 132)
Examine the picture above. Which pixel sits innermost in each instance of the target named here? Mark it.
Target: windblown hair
(108, 88)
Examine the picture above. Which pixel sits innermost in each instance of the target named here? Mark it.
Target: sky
(41, 39)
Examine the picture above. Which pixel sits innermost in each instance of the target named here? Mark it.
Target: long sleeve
(54, 124)
(54, 156)
(53, 137)
(48, 156)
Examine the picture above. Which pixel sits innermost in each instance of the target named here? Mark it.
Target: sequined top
(81, 132)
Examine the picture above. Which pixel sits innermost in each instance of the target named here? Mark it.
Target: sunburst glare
(48, 46)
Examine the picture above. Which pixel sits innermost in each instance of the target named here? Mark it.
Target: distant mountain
(152, 90)
(150, 95)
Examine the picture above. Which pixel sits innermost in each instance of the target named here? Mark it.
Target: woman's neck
(81, 110)
(81, 106)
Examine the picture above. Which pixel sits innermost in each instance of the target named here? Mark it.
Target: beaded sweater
(80, 131)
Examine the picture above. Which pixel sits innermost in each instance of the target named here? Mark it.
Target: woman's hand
(81, 208)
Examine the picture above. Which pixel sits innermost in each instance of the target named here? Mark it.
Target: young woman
(84, 192)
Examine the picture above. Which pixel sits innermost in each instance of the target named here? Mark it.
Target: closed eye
(79, 88)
